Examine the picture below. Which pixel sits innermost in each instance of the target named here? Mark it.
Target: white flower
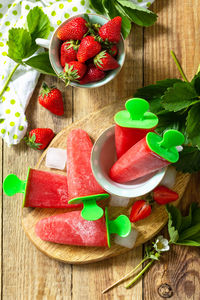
(161, 244)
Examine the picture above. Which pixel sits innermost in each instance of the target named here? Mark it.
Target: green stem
(179, 66)
(126, 276)
(8, 79)
(140, 274)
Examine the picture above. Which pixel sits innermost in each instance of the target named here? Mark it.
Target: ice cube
(170, 177)
(56, 158)
(128, 241)
(118, 201)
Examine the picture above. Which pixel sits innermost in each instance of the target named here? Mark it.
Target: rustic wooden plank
(176, 29)
(27, 273)
(1, 211)
(90, 280)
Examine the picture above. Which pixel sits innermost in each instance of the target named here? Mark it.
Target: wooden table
(27, 274)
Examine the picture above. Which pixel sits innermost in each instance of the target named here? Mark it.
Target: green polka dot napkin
(13, 103)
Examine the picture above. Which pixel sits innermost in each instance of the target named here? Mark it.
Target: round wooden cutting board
(94, 124)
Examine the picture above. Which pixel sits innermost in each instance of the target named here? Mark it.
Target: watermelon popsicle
(71, 229)
(40, 189)
(82, 185)
(147, 156)
(133, 124)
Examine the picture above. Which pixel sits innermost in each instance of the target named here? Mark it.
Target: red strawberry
(111, 30)
(73, 30)
(105, 61)
(68, 52)
(51, 99)
(140, 210)
(93, 74)
(88, 48)
(73, 71)
(39, 138)
(113, 51)
(163, 195)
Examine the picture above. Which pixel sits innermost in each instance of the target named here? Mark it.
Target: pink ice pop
(150, 154)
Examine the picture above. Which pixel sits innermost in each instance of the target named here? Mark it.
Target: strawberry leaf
(138, 15)
(19, 44)
(41, 63)
(38, 25)
(189, 160)
(180, 96)
(97, 5)
(196, 83)
(193, 125)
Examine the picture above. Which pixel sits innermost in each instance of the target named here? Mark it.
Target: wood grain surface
(94, 124)
(26, 273)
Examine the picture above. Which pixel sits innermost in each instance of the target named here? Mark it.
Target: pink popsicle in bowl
(133, 124)
(147, 156)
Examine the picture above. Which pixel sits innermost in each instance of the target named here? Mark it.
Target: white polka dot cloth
(13, 103)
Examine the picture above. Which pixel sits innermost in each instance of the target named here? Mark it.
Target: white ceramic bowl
(102, 159)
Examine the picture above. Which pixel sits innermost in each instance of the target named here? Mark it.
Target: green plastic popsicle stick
(166, 146)
(121, 226)
(13, 185)
(136, 115)
(91, 211)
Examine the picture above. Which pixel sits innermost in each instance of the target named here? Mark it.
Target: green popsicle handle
(13, 185)
(121, 226)
(172, 138)
(91, 211)
(137, 108)
(136, 115)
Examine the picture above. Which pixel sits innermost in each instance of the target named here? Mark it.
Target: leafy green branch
(177, 104)
(183, 230)
(129, 12)
(22, 45)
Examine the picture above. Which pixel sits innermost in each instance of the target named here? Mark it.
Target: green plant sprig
(183, 230)
(22, 45)
(177, 104)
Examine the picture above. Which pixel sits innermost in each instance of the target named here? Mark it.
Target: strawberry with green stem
(93, 74)
(111, 30)
(73, 71)
(88, 48)
(39, 138)
(68, 52)
(105, 61)
(51, 99)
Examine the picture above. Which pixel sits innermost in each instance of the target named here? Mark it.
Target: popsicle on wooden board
(82, 185)
(41, 189)
(71, 229)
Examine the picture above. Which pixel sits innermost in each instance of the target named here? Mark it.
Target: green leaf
(113, 11)
(38, 25)
(41, 63)
(154, 257)
(171, 120)
(189, 160)
(196, 215)
(180, 96)
(193, 125)
(19, 44)
(187, 220)
(174, 222)
(189, 232)
(97, 6)
(137, 14)
(195, 243)
(154, 92)
(196, 83)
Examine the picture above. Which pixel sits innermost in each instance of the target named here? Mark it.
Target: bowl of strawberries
(87, 50)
